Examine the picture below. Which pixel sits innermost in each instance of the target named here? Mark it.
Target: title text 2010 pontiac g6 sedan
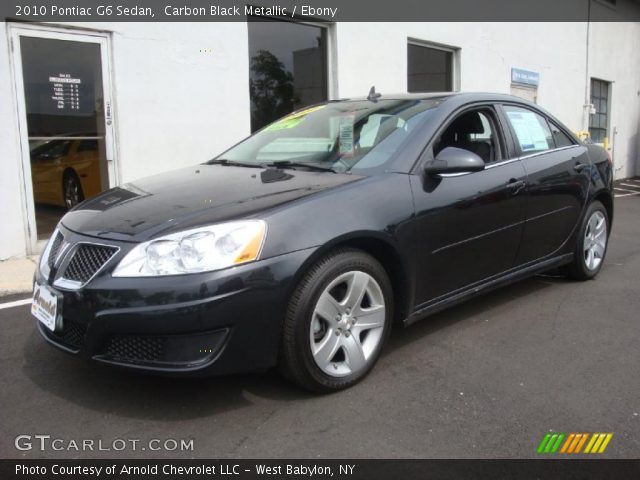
(304, 243)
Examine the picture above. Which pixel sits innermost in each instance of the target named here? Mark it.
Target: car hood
(192, 197)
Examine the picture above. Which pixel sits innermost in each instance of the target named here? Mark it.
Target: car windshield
(333, 136)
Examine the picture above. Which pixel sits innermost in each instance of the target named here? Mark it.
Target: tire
(71, 190)
(356, 331)
(591, 244)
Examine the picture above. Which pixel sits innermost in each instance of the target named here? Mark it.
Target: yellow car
(65, 172)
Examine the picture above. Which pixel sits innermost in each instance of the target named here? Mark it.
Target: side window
(532, 130)
(475, 131)
(561, 138)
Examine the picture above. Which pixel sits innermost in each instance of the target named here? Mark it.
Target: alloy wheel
(595, 240)
(347, 324)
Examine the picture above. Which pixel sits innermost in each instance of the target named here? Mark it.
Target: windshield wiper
(288, 163)
(233, 163)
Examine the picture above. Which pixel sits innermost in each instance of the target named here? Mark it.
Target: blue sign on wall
(525, 77)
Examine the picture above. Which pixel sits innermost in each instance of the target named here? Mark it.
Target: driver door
(468, 226)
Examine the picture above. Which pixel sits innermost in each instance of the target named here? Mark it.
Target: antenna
(373, 95)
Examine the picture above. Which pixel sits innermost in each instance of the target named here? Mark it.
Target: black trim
(477, 289)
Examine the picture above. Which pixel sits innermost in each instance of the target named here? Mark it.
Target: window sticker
(292, 120)
(345, 135)
(530, 133)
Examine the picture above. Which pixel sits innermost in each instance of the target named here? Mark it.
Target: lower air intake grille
(87, 260)
(55, 249)
(72, 334)
(132, 348)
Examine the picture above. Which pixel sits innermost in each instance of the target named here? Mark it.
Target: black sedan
(303, 244)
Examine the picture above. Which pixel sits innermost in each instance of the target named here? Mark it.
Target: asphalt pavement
(486, 379)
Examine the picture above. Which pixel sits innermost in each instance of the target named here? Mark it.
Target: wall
(615, 57)
(555, 50)
(175, 104)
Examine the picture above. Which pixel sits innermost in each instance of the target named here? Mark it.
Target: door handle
(578, 167)
(515, 186)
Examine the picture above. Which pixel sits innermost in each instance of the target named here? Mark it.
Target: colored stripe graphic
(598, 442)
(573, 443)
(550, 443)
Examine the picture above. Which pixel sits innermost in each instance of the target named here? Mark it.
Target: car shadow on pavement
(134, 395)
(475, 307)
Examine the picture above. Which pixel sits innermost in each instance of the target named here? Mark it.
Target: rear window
(560, 138)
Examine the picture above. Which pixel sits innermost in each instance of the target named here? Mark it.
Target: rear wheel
(591, 244)
(72, 190)
(337, 322)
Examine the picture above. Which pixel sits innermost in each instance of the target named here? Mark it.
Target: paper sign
(293, 119)
(345, 135)
(531, 135)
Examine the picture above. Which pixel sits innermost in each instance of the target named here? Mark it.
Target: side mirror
(454, 160)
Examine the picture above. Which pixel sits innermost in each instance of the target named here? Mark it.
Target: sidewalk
(16, 275)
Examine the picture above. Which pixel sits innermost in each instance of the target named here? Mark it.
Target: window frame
(328, 57)
(602, 83)
(428, 155)
(517, 150)
(455, 56)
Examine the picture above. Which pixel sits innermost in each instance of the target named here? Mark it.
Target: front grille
(55, 249)
(87, 260)
(72, 334)
(132, 348)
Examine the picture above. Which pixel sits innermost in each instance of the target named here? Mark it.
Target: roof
(465, 96)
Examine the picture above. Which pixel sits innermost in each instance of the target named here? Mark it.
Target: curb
(16, 276)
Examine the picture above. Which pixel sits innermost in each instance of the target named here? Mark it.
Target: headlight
(198, 250)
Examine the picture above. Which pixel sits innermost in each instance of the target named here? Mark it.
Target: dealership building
(102, 104)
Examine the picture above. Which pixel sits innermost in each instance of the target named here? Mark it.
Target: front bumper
(209, 323)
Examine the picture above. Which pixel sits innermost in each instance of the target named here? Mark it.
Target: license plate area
(46, 306)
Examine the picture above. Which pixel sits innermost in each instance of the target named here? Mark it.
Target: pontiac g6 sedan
(303, 244)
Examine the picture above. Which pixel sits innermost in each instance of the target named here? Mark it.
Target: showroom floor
(485, 379)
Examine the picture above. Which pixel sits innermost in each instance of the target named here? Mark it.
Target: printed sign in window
(65, 91)
(345, 135)
(532, 136)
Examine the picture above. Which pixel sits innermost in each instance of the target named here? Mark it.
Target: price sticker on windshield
(345, 135)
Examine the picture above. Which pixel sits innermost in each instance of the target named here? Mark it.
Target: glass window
(336, 135)
(287, 68)
(88, 146)
(64, 100)
(600, 100)
(429, 69)
(560, 138)
(473, 131)
(51, 150)
(531, 129)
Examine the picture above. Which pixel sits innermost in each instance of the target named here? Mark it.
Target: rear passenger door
(557, 181)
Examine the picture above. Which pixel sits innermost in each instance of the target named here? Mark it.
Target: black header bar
(321, 10)
(319, 469)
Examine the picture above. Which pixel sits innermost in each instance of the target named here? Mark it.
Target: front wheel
(591, 244)
(338, 319)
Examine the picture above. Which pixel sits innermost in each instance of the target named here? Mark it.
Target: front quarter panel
(379, 207)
